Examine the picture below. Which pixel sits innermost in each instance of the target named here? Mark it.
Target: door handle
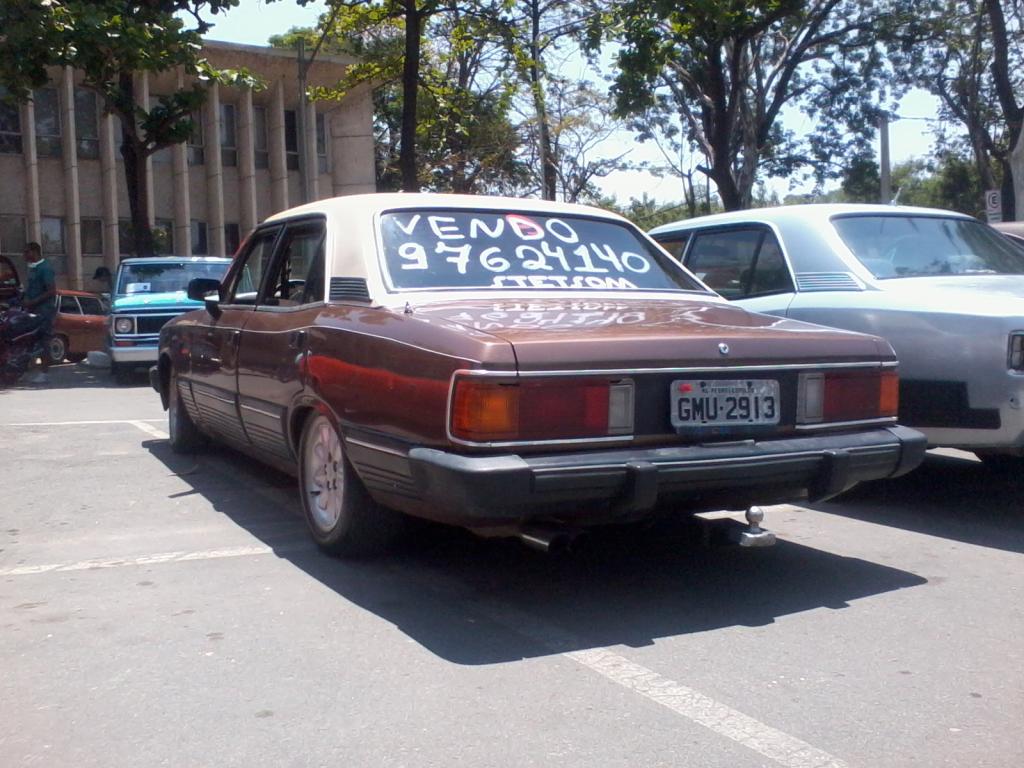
(297, 339)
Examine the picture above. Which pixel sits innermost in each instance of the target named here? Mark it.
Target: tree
(729, 69)
(109, 41)
(972, 60)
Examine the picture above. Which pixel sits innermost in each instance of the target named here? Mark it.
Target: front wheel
(342, 517)
(184, 435)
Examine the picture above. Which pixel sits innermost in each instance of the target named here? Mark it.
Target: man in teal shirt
(41, 299)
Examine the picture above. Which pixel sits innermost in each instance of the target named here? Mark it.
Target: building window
(291, 140)
(163, 237)
(47, 122)
(231, 238)
(87, 127)
(196, 154)
(10, 125)
(125, 236)
(163, 156)
(228, 134)
(259, 137)
(12, 235)
(52, 231)
(92, 237)
(199, 246)
(321, 144)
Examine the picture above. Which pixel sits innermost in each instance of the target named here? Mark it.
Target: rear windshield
(165, 277)
(917, 246)
(487, 250)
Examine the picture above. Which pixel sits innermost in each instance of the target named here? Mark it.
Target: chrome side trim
(840, 424)
(258, 410)
(373, 447)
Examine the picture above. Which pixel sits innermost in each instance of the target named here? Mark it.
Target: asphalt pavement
(167, 610)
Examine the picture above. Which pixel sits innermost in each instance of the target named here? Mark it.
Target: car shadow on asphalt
(950, 497)
(80, 375)
(474, 601)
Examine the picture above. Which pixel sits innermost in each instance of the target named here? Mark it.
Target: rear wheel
(56, 349)
(184, 435)
(342, 517)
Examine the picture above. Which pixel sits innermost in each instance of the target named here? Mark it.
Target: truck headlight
(124, 325)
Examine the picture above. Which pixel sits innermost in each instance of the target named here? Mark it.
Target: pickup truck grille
(147, 324)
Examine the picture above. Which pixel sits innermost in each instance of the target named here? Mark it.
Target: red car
(516, 367)
(80, 327)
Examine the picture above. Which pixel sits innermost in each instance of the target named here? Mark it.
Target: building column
(248, 217)
(142, 99)
(108, 183)
(182, 201)
(28, 138)
(278, 161)
(352, 147)
(214, 173)
(72, 208)
(312, 166)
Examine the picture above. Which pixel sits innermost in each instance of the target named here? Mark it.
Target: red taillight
(857, 395)
(541, 409)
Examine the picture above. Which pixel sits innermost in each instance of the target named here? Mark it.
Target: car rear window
(917, 246)
(488, 250)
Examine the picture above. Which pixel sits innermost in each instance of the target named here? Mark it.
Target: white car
(944, 289)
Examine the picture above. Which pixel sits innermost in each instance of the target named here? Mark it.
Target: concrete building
(63, 179)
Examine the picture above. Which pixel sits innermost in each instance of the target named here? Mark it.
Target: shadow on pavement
(954, 498)
(78, 375)
(474, 601)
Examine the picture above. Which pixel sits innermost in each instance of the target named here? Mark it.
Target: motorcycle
(21, 341)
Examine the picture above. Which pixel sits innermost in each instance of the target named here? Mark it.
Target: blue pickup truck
(146, 294)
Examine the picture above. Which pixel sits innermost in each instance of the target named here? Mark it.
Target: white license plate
(724, 402)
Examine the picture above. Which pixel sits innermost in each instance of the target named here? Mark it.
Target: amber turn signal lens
(484, 411)
(889, 395)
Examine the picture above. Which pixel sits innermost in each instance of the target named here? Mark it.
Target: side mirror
(200, 288)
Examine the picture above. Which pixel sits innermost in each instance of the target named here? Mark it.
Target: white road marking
(78, 423)
(149, 429)
(776, 745)
(724, 720)
(163, 557)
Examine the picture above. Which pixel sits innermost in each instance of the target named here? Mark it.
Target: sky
(254, 21)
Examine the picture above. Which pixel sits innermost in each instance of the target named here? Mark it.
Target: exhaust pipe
(547, 539)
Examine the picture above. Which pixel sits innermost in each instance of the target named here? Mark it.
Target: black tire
(56, 349)
(349, 523)
(184, 435)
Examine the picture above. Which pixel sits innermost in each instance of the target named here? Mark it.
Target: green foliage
(731, 68)
(109, 42)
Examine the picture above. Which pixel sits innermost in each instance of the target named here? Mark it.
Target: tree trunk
(549, 173)
(136, 179)
(410, 90)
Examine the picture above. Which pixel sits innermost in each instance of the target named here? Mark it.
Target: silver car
(946, 290)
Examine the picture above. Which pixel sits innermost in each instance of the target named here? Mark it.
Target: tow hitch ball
(755, 535)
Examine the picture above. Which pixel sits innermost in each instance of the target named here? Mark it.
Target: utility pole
(884, 170)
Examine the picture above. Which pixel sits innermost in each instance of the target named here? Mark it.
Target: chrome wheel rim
(324, 482)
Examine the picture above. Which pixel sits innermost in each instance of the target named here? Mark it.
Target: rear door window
(740, 263)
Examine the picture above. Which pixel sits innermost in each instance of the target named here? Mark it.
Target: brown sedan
(80, 326)
(515, 367)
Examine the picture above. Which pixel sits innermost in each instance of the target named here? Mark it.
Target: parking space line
(149, 429)
(778, 746)
(163, 557)
(770, 742)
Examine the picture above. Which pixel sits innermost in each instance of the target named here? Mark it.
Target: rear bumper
(629, 483)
